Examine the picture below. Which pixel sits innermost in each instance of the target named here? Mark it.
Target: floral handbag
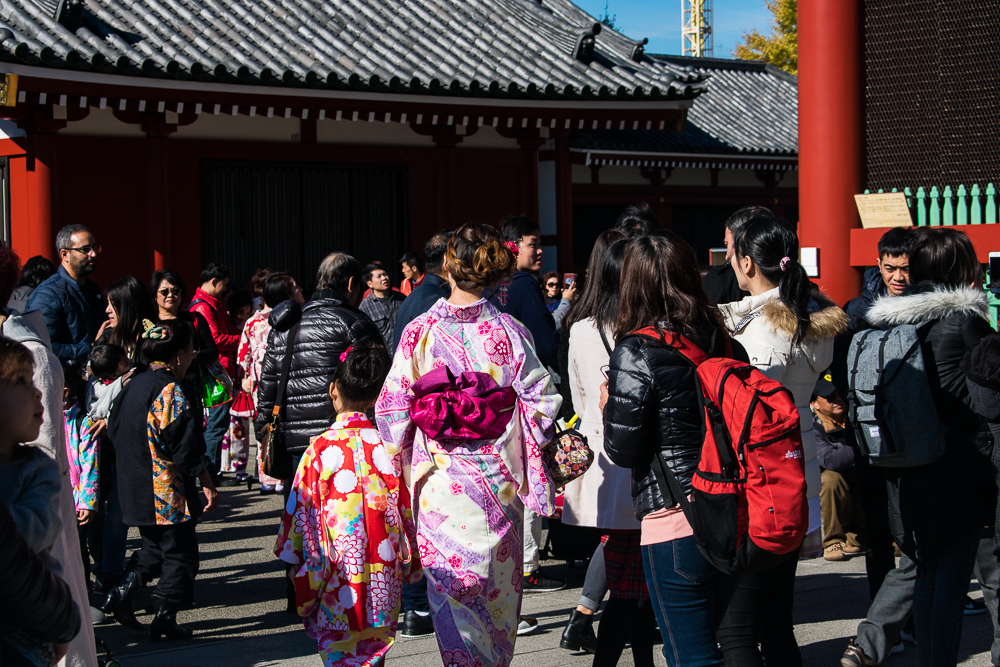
(567, 457)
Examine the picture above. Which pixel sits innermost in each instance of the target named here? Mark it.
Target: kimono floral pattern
(83, 451)
(349, 535)
(469, 499)
(168, 481)
(250, 357)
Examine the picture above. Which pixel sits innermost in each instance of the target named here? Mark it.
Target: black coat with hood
(653, 407)
(982, 372)
(954, 495)
(327, 327)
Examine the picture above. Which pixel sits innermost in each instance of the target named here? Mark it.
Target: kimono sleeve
(300, 537)
(86, 490)
(178, 431)
(538, 404)
(392, 410)
(411, 569)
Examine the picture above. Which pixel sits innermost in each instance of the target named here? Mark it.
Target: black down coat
(653, 407)
(327, 327)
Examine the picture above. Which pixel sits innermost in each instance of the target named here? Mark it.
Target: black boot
(165, 621)
(119, 599)
(579, 633)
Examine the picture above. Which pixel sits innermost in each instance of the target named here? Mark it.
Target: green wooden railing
(945, 207)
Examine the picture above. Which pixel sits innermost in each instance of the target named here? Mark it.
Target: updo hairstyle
(477, 257)
(175, 335)
(359, 378)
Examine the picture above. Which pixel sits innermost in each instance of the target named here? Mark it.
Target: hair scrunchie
(343, 355)
(513, 248)
(152, 331)
(784, 263)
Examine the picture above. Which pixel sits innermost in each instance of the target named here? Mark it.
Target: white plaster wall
(488, 137)
(102, 123)
(738, 178)
(361, 132)
(791, 179)
(225, 127)
(617, 175)
(686, 176)
(581, 173)
(547, 197)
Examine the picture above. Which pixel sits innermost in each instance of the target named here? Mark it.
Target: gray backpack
(891, 407)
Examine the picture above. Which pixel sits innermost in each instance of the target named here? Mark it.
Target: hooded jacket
(954, 493)
(765, 327)
(213, 310)
(981, 366)
(327, 327)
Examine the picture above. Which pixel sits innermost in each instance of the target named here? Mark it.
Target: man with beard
(69, 301)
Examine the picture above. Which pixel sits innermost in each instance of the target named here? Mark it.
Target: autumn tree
(781, 47)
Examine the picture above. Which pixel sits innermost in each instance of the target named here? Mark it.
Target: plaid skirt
(623, 564)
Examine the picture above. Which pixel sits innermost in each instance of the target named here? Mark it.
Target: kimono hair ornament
(513, 248)
(784, 263)
(152, 331)
(343, 355)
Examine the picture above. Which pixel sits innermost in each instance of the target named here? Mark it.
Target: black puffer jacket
(653, 406)
(327, 327)
(938, 501)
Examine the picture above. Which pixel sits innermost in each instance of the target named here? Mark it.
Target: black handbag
(276, 462)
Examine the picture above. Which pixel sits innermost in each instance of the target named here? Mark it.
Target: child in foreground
(29, 483)
(348, 528)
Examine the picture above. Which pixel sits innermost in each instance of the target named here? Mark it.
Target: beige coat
(602, 497)
(767, 339)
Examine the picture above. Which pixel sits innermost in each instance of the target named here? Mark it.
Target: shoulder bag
(275, 460)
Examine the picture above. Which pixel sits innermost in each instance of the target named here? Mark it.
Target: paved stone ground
(240, 617)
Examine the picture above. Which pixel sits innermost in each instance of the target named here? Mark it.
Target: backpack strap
(286, 364)
(195, 303)
(668, 483)
(680, 343)
(604, 339)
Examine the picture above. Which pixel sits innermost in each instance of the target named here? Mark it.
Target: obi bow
(470, 407)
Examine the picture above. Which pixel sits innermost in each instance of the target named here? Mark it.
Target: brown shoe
(851, 550)
(834, 552)
(855, 657)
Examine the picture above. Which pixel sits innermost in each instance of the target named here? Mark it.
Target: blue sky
(660, 21)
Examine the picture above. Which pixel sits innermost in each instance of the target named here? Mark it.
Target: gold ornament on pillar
(8, 90)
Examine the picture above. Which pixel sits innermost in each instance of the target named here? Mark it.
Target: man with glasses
(69, 301)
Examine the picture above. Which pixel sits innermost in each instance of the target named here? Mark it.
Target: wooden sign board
(8, 90)
(883, 210)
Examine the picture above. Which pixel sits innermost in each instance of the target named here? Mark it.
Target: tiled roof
(751, 109)
(478, 48)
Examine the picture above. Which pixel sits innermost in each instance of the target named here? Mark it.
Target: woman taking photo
(160, 454)
(787, 329)
(277, 287)
(944, 505)
(653, 410)
(485, 471)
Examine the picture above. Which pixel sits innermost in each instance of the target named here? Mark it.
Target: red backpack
(748, 508)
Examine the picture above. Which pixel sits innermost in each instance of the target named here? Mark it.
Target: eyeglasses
(87, 249)
(170, 291)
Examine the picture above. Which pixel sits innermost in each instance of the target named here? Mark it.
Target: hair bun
(478, 257)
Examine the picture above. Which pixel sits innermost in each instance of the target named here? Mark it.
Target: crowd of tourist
(410, 431)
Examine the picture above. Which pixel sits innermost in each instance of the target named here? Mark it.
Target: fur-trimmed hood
(826, 319)
(926, 303)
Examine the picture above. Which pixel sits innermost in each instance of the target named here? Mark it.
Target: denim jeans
(595, 585)
(939, 597)
(689, 597)
(415, 597)
(218, 424)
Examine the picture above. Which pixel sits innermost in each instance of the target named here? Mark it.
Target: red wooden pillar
(564, 202)
(41, 158)
(830, 137)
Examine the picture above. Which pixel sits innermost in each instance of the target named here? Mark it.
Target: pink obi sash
(470, 407)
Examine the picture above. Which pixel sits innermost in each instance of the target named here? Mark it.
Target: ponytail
(774, 248)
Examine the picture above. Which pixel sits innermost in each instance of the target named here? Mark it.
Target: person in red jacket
(209, 302)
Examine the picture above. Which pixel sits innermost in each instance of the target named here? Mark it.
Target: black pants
(761, 612)
(880, 557)
(170, 553)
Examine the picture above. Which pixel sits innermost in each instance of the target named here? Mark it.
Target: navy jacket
(418, 302)
(526, 303)
(73, 314)
(835, 450)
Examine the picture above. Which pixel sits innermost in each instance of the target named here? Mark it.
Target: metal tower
(696, 28)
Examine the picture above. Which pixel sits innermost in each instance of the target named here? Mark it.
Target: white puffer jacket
(765, 326)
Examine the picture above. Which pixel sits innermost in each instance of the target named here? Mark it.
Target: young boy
(29, 479)
(348, 529)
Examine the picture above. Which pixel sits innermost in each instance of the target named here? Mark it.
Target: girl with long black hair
(129, 304)
(787, 328)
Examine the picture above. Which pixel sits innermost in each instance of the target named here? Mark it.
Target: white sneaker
(527, 626)
(279, 487)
